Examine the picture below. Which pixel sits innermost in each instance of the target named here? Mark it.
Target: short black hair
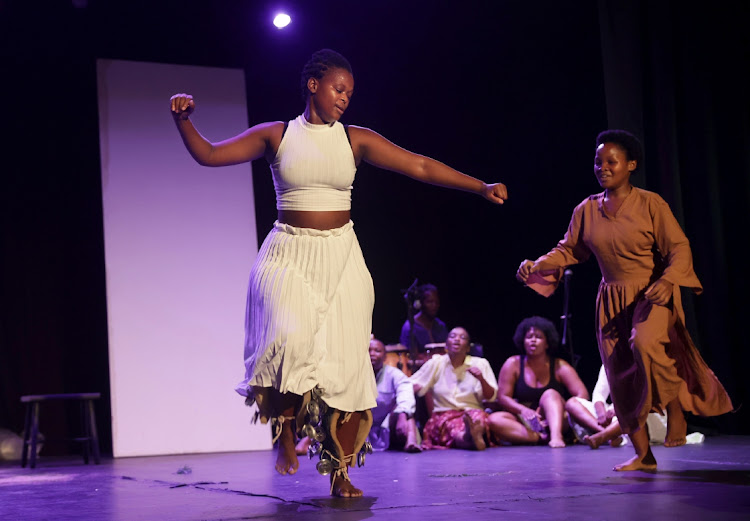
(543, 325)
(627, 141)
(424, 289)
(468, 335)
(321, 62)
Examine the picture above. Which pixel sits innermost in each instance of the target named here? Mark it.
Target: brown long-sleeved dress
(646, 350)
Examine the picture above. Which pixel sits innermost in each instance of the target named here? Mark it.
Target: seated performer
(644, 256)
(310, 295)
(393, 424)
(594, 421)
(459, 383)
(531, 388)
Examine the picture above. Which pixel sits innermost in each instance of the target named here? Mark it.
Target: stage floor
(694, 482)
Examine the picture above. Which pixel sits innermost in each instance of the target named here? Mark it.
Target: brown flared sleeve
(570, 250)
(673, 246)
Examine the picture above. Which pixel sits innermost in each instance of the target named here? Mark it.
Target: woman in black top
(531, 388)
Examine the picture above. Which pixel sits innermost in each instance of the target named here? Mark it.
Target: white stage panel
(179, 242)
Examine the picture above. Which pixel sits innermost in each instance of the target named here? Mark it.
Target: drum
(397, 355)
(437, 348)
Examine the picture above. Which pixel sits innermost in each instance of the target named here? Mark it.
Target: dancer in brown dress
(644, 257)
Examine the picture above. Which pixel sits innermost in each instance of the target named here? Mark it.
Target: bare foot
(636, 463)
(617, 441)
(592, 441)
(411, 444)
(302, 445)
(286, 458)
(476, 430)
(342, 487)
(556, 443)
(676, 430)
(412, 447)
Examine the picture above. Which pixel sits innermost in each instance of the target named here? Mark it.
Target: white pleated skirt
(309, 317)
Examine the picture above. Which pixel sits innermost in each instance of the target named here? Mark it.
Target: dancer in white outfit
(310, 297)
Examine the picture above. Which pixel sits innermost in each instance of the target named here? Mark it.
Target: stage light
(282, 20)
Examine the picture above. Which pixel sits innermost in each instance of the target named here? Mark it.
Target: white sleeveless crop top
(314, 167)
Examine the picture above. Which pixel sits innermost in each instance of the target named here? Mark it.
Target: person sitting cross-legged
(459, 383)
(594, 421)
(531, 387)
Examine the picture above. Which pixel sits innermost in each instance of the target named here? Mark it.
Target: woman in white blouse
(459, 383)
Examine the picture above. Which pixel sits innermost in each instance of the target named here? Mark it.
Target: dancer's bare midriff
(318, 220)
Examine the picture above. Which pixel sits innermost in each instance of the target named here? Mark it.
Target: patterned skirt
(443, 428)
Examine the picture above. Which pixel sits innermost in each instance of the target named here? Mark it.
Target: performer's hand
(524, 270)
(181, 105)
(659, 293)
(495, 192)
(601, 413)
(476, 373)
(530, 414)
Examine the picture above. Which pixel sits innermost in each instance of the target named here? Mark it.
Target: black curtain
(53, 319)
(676, 75)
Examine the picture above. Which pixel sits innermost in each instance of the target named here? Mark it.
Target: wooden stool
(31, 430)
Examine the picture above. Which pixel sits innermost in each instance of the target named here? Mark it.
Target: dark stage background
(507, 91)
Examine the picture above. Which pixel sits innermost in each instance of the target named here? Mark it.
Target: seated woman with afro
(532, 388)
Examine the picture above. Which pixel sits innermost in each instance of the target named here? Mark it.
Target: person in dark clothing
(532, 388)
(428, 328)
